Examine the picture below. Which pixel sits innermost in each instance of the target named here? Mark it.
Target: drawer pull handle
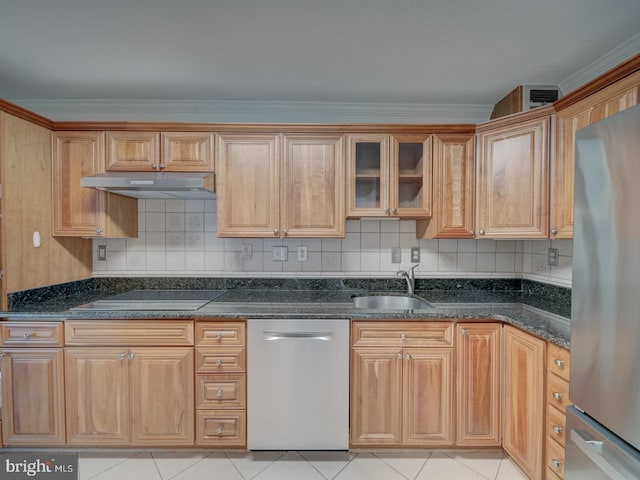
(403, 336)
(557, 395)
(131, 355)
(463, 331)
(557, 429)
(218, 362)
(219, 430)
(399, 355)
(559, 362)
(122, 356)
(556, 463)
(218, 335)
(219, 393)
(409, 356)
(27, 335)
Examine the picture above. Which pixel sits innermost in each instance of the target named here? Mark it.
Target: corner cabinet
(608, 101)
(265, 192)
(86, 212)
(524, 400)
(389, 175)
(513, 177)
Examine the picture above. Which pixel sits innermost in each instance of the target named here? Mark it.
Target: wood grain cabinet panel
(32, 334)
(187, 152)
(478, 381)
(133, 151)
(129, 332)
(33, 396)
(513, 180)
(210, 334)
(524, 401)
(226, 428)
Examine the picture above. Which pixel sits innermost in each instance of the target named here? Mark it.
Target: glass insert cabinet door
(389, 175)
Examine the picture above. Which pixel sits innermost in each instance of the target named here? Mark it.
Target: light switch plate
(247, 251)
(302, 254)
(552, 257)
(415, 254)
(280, 254)
(396, 255)
(102, 253)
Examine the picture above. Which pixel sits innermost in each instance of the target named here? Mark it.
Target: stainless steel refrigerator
(603, 429)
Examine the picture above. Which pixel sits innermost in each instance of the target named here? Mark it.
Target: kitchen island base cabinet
(524, 400)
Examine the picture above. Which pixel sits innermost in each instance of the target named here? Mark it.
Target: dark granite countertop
(539, 314)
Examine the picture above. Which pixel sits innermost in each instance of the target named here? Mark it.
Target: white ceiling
(452, 52)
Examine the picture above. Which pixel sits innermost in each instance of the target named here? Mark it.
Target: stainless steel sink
(391, 302)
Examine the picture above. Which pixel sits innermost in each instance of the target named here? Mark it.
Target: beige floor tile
(441, 467)
(408, 464)
(214, 467)
(91, 464)
(170, 464)
(509, 471)
(368, 467)
(252, 463)
(290, 466)
(484, 463)
(140, 467)
(328, 464)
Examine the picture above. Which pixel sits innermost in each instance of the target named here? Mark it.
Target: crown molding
(608, 61)
(223, 111)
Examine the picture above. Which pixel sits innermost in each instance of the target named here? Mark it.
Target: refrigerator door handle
(595, 449)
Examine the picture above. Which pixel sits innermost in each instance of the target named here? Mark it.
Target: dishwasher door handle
(275, 336)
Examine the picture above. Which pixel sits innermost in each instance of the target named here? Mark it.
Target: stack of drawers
(557, 402)
(221, 384)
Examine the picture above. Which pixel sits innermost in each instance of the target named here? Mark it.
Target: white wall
(178, 238)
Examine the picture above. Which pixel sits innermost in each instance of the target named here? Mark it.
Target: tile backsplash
(178, 238)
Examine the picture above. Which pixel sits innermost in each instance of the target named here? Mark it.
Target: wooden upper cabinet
(478, 383)
(513, 179)
(453, 189)
(608, 101)
(248, 185)
(524, 400)
(313, 186)
(86, 212)
(389, 175)
(133, 151)
(187, 152)
(166, 151)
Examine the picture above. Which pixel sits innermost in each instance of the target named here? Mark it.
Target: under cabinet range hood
(154, 184)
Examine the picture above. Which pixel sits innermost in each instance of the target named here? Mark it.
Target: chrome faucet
(410, 277)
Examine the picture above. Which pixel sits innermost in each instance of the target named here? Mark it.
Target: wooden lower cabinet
(130, 396)
(524, 400)
(33, 396)
(400, 396)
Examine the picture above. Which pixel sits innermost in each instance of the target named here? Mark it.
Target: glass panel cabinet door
(411, 164)
(368, 175)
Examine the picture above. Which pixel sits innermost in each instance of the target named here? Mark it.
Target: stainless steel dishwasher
(298, 384)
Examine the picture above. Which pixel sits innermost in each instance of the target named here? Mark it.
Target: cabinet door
(376, 396)
(248, 185)
(478, 370)
(162, 397)
(33, 396)
(410, 176)
(97, 391)
(368, 175)
(513, 179)
(313, 186)
(133, 151)
(187, 152)
(613, 99)
(524, 399)
(428, 397)
(453, 188)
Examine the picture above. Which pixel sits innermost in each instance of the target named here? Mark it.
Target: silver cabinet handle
(219, 429)
(556, 463)
(99, 231)
(394, 211)
(275, 232)
(386, 210)
(481, 232)
(122, 356)
(409, 356)
(557, 429)
(218, 362)
(219, 393)
(463, 331)
(403, 336)
(554, 231)
(154, 166)
(472, 231)
(557, 395)
(559, 362)
(131, 355)
(27, 335)
(218, 335)
(275, 336)
(285, 232)
(162, 165)
(399, 355)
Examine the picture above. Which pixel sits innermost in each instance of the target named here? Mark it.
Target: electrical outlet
(552, 257)
(415, 254)
(280, 254)
(247, 252)
(102, 253)
(302, 254)
(396, 255)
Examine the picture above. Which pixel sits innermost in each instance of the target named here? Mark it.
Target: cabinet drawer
(221, 391)
(223, 428)
(558, 392)
(556, 424)
(555, 457)
(220, 333)
(32, 334)
(402, 334)
(220, 360)
(558, 361)
(129, 332)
